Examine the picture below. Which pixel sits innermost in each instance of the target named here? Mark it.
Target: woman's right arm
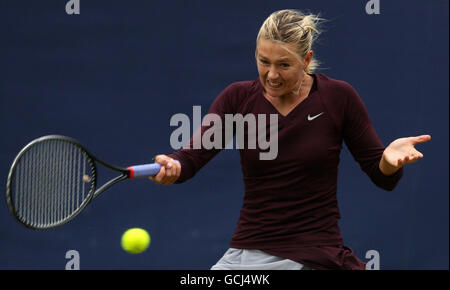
(191, 160)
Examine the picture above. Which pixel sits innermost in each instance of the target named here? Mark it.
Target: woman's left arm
(401, 152)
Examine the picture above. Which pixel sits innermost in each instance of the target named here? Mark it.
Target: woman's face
(280, 72)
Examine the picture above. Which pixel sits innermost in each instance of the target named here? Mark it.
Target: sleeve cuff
(387, 182)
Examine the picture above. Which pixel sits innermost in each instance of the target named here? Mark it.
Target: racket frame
(93, 191)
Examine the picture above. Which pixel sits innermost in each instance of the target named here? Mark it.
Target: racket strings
(52, 181)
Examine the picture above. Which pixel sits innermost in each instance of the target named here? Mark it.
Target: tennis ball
(135, 240)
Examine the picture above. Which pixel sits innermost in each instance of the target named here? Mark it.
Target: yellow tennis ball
(135, 240)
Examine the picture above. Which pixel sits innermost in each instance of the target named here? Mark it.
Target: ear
(308, 58)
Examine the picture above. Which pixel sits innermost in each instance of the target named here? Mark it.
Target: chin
(274, 93)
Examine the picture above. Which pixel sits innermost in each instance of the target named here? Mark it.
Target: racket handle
(145, 170)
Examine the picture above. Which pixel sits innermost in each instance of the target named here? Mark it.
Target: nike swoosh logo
(313, 117)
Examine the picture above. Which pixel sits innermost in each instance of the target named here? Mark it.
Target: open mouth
(274, 85)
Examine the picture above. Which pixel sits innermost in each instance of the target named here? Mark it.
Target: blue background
(113, 76)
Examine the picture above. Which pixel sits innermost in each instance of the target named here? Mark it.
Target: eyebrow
(279, 60)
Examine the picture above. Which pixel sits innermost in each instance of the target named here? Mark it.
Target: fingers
(411, 158)
(170, 173)
(170, 170)
(158, 178)
(421, 139)
(415, 154)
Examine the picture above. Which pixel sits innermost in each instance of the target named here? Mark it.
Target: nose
(273, 73)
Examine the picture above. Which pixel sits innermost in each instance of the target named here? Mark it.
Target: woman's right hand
(170, 170)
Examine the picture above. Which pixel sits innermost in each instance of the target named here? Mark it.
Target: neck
(298, 94)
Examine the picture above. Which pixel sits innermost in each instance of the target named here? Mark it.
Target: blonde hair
(292, 27)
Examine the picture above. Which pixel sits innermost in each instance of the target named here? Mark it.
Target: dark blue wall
(113, 76)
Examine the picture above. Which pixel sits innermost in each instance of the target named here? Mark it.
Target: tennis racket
(54, 178)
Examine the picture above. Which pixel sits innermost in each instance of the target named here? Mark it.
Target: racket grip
(145, 170)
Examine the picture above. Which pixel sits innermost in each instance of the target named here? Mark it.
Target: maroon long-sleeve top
(290, 206)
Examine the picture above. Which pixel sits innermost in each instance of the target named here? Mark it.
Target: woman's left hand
(401, 152)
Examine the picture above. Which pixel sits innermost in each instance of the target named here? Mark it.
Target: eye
(263, 61)
(285, 65)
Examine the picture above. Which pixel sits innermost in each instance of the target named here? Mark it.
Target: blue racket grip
(145, 170)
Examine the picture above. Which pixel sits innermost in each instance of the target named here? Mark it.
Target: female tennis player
(289, 218)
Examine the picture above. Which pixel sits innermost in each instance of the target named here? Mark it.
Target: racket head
(51, 180)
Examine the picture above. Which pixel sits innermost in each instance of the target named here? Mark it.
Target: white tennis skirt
(242, 259)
